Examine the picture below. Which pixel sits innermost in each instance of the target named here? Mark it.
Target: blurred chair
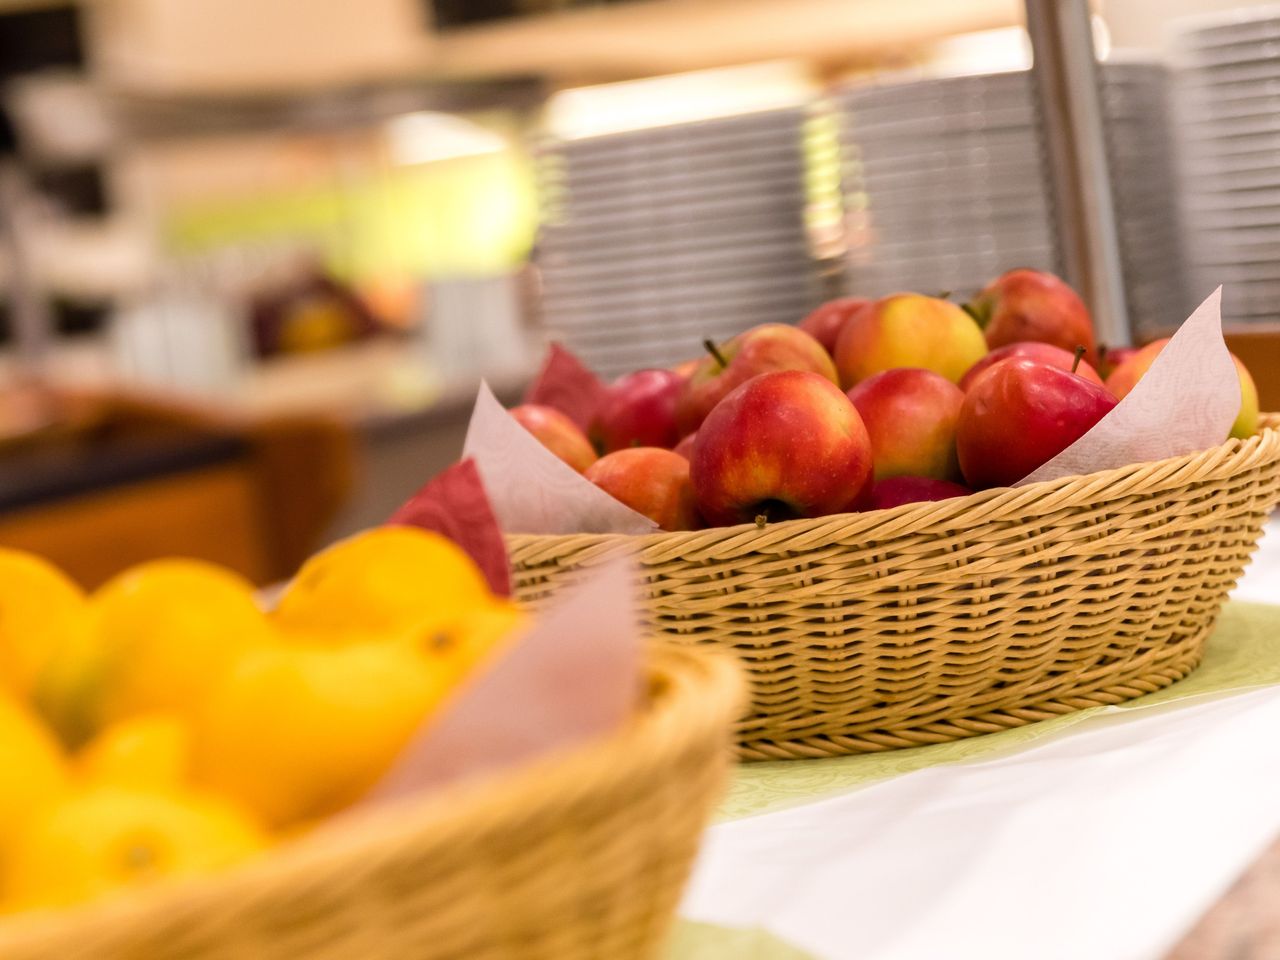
(116, 480)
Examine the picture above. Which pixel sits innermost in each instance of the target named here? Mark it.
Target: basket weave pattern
(930, 622)
(577, 858)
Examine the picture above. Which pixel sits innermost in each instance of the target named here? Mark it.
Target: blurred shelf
(159, 113)
(150, 54)
(666, 36)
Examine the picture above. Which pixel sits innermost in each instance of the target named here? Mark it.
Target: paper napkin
(533, 490)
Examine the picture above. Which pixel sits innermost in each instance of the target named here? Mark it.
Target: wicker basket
(582, 856)
(930, 622)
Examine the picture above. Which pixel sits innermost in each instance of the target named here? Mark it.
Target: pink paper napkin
(533, 490)
(566, 384)
(454, 503)
(574, 677)
(1185, 403)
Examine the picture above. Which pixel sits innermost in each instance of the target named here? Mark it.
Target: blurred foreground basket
(930, 622)
(578, 857)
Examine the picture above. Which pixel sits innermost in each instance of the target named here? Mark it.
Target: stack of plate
(947, 185)
(1229, 125)
(656, 239)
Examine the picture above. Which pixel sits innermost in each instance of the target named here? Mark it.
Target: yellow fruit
(457, 647)
(152, 752)
(169, 629)
(110, 837)
(32, 771)
(384, 579)
(300, 731)
(68, 693)
(39, 608)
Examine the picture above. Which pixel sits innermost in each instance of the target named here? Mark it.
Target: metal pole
(1065, 75)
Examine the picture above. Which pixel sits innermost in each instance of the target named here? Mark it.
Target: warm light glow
(427, 137)
(677, 98)
(985, 51)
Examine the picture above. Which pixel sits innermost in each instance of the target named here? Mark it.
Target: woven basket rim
(1220, 460)
(692, 692)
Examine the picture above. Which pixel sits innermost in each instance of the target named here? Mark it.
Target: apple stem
(1079, 356)
(944, 295)
(715, 352)
(761, 520)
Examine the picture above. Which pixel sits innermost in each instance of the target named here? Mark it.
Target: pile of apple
(862, 406)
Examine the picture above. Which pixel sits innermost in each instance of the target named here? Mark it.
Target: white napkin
(533, 490)
(1186, 402)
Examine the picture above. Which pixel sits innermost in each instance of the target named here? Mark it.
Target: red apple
(783, 445)
(1032, 350)
(1021, 414)
(1032, 305)
(685, 446)
(826, 322)
(557, 433)
(763, 349)
(908, 330)
(910, 415)
(896, 491)
(651, 481)
(638, 410)
(1126, 376)
(1109, 358)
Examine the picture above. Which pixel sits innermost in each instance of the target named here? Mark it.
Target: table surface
(1245, 924)
(832, 858)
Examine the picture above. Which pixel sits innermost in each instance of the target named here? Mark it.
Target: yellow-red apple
(638, 410)
(825, 323)
(910, 415)
(1021, 414)
(1032, 350)
(908, 330)
(557, 433)
(1033, 305)
(763, 349)
(651, 481)
(896, 491)
(782, 445)
(1126, 376)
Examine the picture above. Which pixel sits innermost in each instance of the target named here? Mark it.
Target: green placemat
(706, 941)
(1243, 652)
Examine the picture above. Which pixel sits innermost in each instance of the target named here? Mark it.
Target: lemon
(169, 629)
(68, 693)
(39, 608)
(300, 731)
(32, 771)
(106, 838)
(146, 752)
(454, 649)
(384, 579)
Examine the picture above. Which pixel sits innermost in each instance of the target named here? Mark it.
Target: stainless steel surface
(1228, 98)
(952, 210)
(655, 239)
(1074, 132)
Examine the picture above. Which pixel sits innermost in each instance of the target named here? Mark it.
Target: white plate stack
(947, 185)
(658, 238)
(1228, 106)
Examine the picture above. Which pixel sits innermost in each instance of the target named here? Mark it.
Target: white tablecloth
(1105, 842)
